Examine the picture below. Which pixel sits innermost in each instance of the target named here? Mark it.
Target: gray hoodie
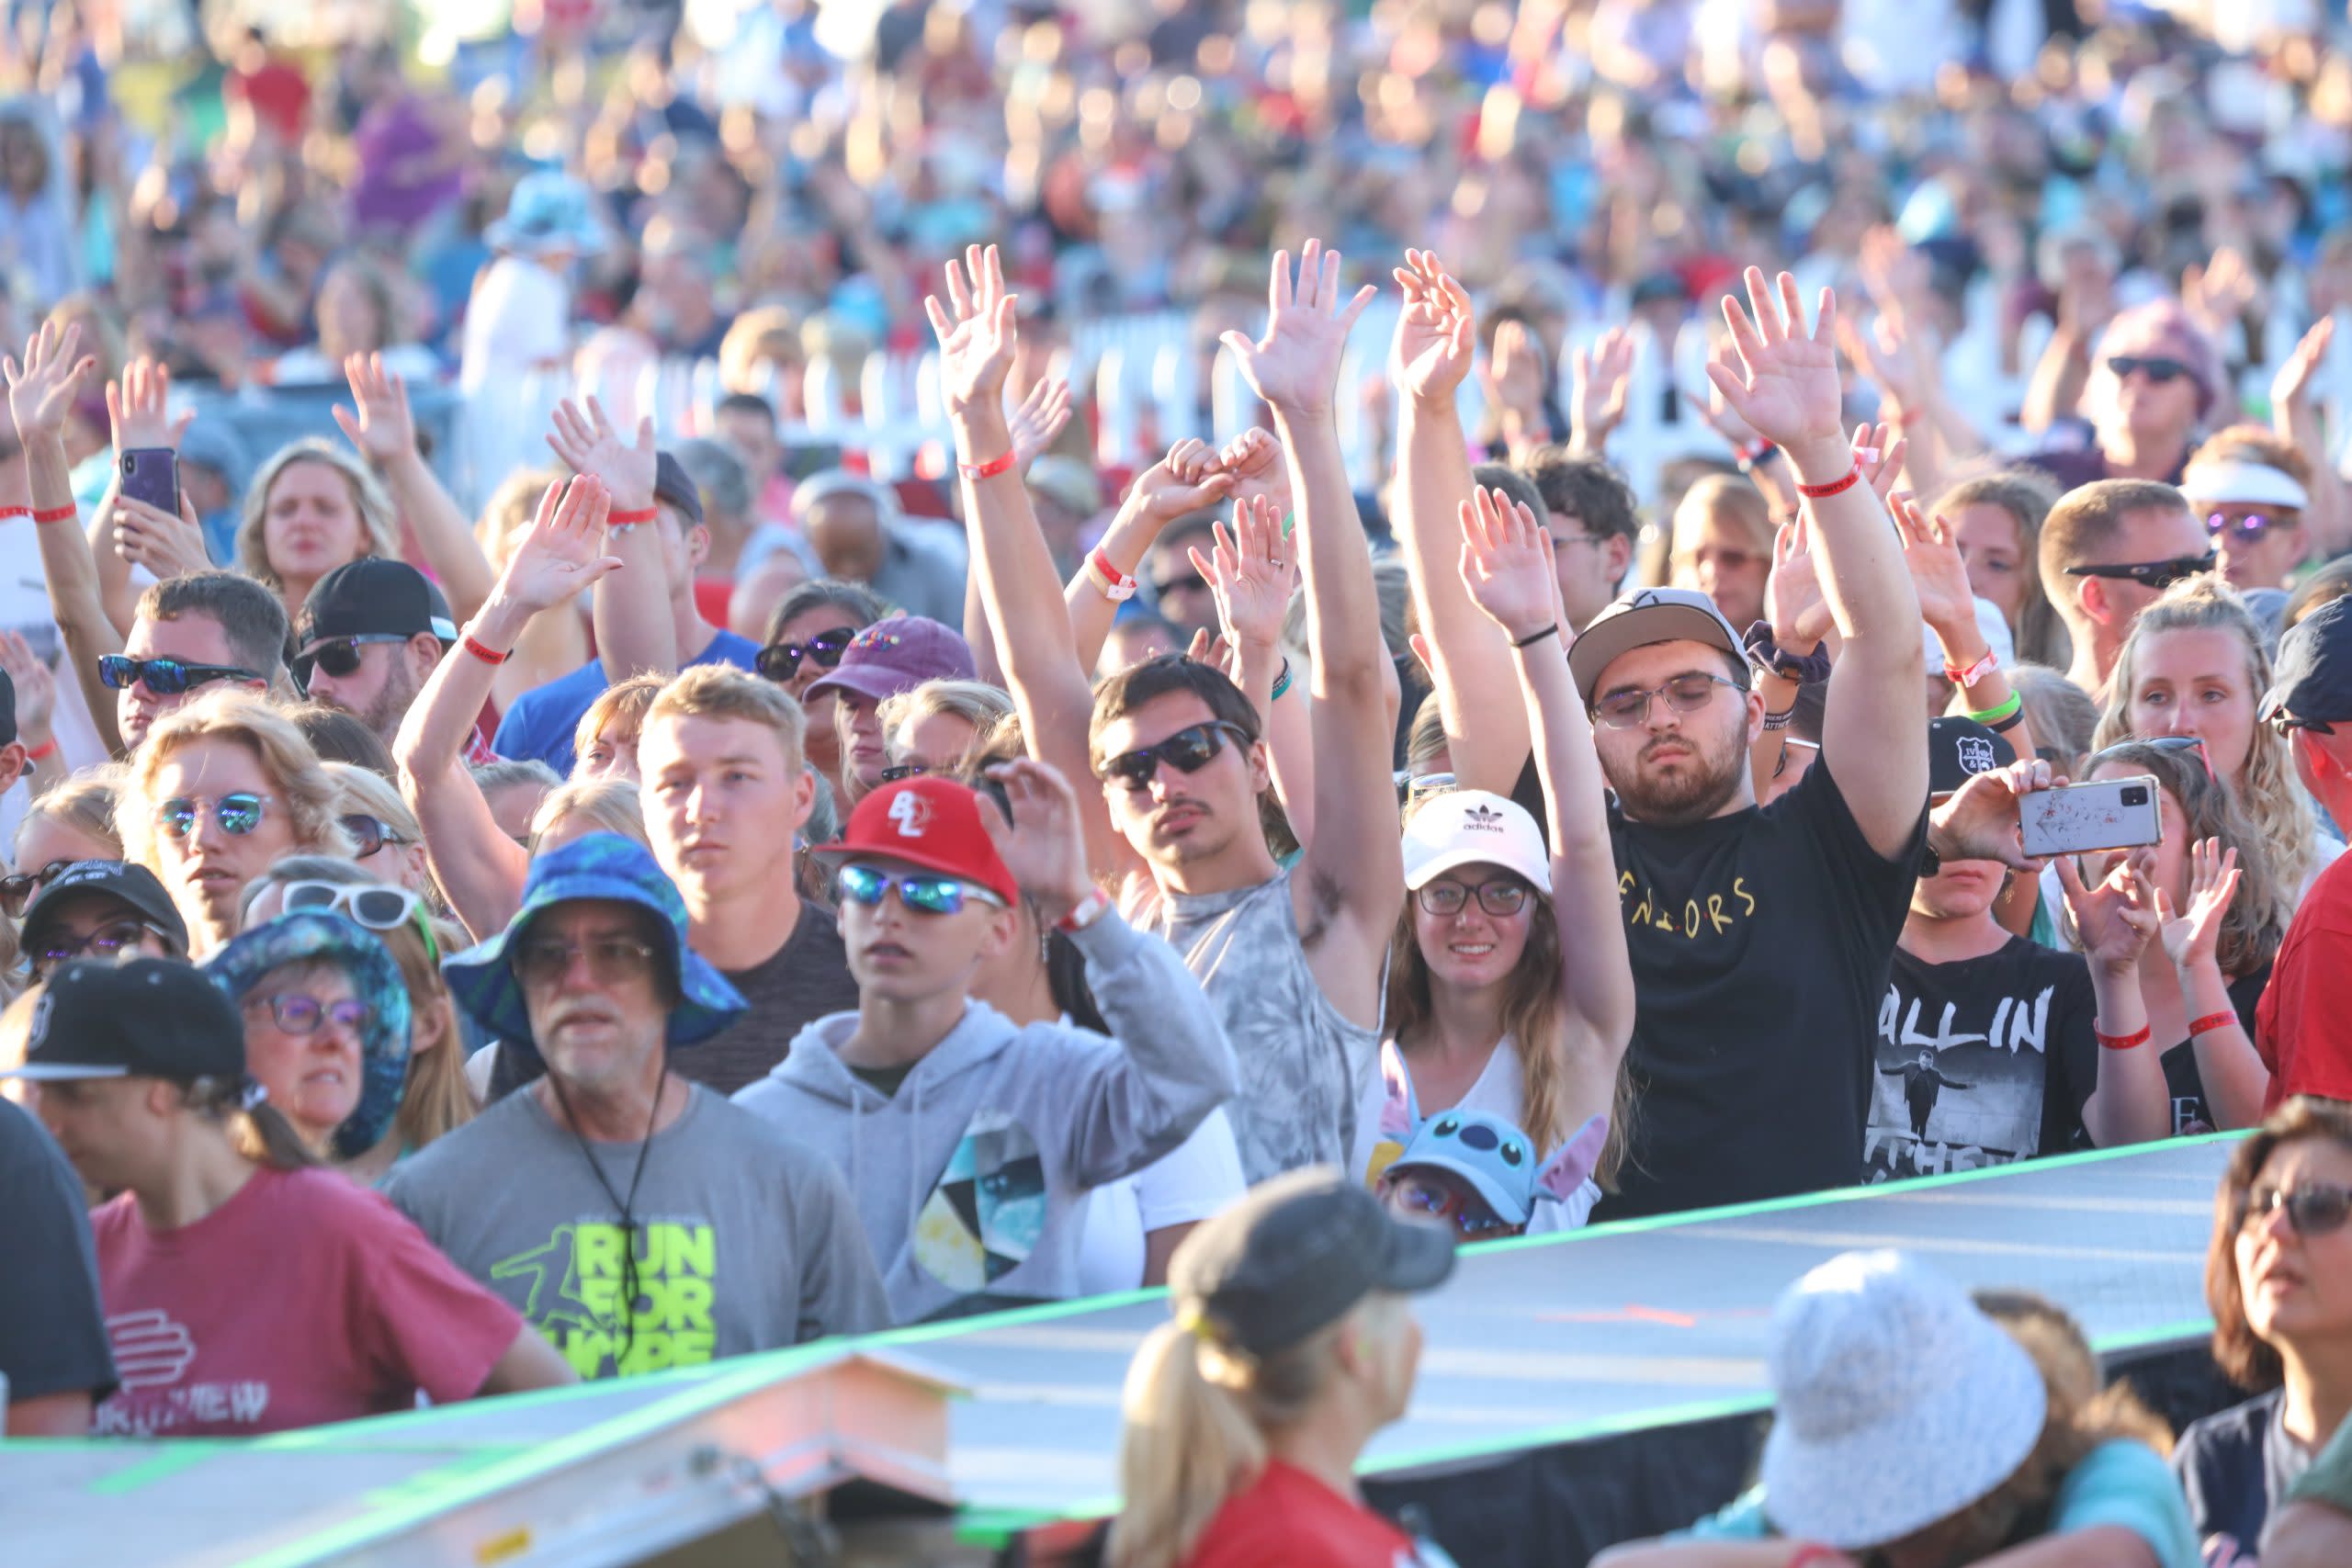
(973, 1178)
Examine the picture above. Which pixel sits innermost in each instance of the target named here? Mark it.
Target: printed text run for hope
(574, 1298)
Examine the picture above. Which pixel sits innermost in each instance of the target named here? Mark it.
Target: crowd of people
(717, 888)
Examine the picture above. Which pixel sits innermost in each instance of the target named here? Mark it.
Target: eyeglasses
(238, 812)
(924, 893)
(377, 906)
(1411, 791)
(1684, 694)
(299, 1014)
(165, 677)
(898, 771)
(1191, 582)
(339, 657)
(369, 833)
(107, 943)
(2170, 745)
(1188, 750)
(1504, 896)
(780, 661)
(2245, 530)
(611, 959)
(2157, 574)
(2318, 1210)
(18, 890)
(2159, 368)
(1468, 1215)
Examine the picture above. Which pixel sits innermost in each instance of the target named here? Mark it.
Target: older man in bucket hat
(639, 1221)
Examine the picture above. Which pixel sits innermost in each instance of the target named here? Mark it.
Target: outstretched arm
(1252, 569)
(636, 629)
(137, 415)
(384, 434)
(1354, 871)
(1186, 480)
(1786, 386)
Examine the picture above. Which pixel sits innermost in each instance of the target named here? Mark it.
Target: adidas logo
(1483, 818)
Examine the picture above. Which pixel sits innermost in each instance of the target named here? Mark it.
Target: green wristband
(1993, 715)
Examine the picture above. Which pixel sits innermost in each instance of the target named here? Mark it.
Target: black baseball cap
(373, 596)
(673, 486)
(1642, 617)
(1294, 1254)
(121, 880)
(1959, 748)
(157, 1018)
(7, 710)
(2313, 677)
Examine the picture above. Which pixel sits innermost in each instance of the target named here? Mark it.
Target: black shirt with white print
(1981, 1062)
(2191, 1113)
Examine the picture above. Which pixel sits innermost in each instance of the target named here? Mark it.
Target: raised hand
(1786, 387)
(41, 389)
(1931, 554)
(1506, 566)
(166, 546)
(2219, 292)
(2292, 386)
(1259, 466)
(977, 331)
(1512, 377)
(2192, 935)
(1251, 574)
(1295, 366)
(1041, 846)
(137, 407)
(562, 552)
(1040, 418)
(2116, 916)
(1879, 452)
(1598, 380)
(1435, 344)
(383, 429)
(590, 446)
(1212, 648)
(1888, 356)
(1793, 603)
(36, 686)
(1190, 478)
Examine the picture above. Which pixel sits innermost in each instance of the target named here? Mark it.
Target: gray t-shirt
(799, 983)
(745, 1240)
(1304, 1067)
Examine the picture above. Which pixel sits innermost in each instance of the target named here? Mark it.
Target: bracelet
(1780, 720)
(1531, 638)
(987, 470)
(1754, 457)
(1966, 677)
(2211, 1022)
(2011, 709)
(1813, 1551)
(1764, 654)
(2121, 1042)
(46, 749)
(1838, 487)
(56, 515)
(2003, 725)
(8, 512)
(1088, 911)
(631, 519)
(480, 652)
(1282, 682)
(1113, 584)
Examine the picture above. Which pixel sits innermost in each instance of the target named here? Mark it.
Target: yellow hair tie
(1198, 1326)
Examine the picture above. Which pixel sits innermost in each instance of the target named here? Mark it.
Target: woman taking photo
(326, 1023)
(2279, 1279)
(143, 1083)
(2196, 664)
(437, 1098)
(1492, 1011)
(223, 788)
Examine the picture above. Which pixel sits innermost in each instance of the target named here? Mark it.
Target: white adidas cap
(1470, 827)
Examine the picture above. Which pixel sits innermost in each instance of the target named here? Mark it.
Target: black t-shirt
(1760, 943)
(2189, 1111)
(800, 983)
(1981, 1062)
(52, 1329)
(2232, 1465)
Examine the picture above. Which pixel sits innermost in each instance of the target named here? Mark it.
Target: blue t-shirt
(541, 722)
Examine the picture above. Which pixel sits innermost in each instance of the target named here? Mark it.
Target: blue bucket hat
(315, 936)
(601, 866)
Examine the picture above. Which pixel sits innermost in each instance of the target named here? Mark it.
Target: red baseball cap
(933, 823)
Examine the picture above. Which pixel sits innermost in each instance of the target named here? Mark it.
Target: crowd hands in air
(1574, 891)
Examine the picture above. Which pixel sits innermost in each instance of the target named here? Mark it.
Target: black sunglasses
(339, 657)
(1191, 582)
(2152, 573)
(2157, 367)
(781, 661)
(16, 891)
(2285, 724)
(2245, 530)
(1187, 752)
(165, 677)
(370, 833)
(898, 771)
(2313, 1210)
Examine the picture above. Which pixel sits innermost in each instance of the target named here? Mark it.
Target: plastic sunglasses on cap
(238, 812)
(1188, 750)
(377, 906)
(781, 661)
(924, 892)
(2168, 744)
(165, 677)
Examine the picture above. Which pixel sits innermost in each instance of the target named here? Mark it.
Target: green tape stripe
(162, 1463)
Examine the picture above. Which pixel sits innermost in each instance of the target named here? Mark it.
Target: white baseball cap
(1470, 827)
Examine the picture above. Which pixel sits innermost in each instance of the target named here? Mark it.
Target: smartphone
(2113, 814)
(151, 474)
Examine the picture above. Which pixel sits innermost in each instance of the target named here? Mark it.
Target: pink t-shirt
(301, 1300)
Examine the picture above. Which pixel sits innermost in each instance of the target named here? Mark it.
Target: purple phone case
(152, 474)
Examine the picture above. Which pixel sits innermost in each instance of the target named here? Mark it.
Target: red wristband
(631, 519)
(8, 512)
(1813, 1551)
(57, 514)
(1965, 678)
(46, 749)
(478, 652)
(2119, 1042)
(2212, 1020)
(987, 470)
(1821, 493)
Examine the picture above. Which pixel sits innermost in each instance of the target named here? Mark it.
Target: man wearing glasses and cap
(105, 909)
(369, 634)
(2109, 551)
(2303, 1028)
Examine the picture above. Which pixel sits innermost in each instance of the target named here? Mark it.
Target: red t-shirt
(303, 1299)
(2304, 1027)
(1289, 1519)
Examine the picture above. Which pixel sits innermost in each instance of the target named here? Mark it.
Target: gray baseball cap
(1642, 617)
